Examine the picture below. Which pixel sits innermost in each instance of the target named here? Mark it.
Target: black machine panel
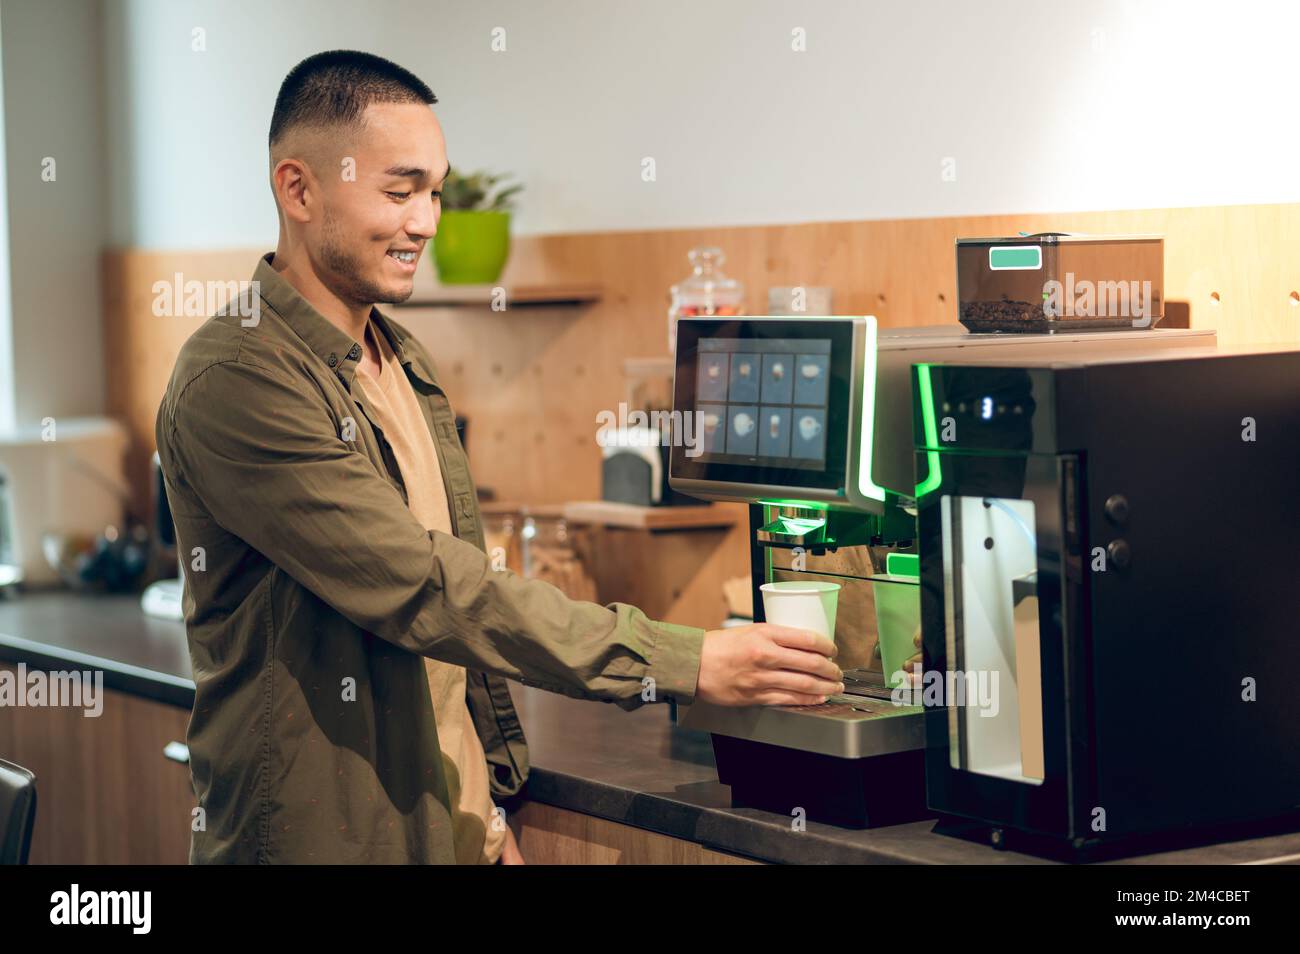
(1161, 503)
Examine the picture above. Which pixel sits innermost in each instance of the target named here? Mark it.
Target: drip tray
(865, 682)
(846, 726)
(857, 760)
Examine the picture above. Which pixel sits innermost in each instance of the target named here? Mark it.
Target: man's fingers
(801, 683)
(803, 639)
(800, 661)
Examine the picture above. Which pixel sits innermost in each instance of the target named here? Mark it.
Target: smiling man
(349, 637)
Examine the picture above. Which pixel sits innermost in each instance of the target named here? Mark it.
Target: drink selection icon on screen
(764, 398)
(810, 382)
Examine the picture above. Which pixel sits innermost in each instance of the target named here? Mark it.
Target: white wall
(1042, 106)
(7, 396)
(52, 87)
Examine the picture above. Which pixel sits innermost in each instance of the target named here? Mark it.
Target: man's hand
(510, 854)
(916, 659)
(763, 664)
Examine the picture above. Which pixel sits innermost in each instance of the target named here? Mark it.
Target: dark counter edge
(722, 830)
(715, 829)
(748, 833)
(145, 683)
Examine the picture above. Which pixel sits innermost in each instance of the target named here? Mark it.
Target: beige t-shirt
(397, 412)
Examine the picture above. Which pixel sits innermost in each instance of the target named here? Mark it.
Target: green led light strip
(934, 478)
(866, 486)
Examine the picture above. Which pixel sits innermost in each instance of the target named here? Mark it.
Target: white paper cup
(802, 604)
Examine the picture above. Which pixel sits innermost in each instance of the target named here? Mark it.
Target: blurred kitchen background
(836, 149)
(734, 156)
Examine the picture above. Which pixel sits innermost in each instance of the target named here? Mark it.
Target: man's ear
(295, 189)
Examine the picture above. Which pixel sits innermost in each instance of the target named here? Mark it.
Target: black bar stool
(17, 812)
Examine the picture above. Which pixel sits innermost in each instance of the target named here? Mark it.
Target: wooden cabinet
(556, 836)
(671, 562)
(105, 791)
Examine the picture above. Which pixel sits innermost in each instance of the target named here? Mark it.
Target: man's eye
(399, 195)
(437, 194)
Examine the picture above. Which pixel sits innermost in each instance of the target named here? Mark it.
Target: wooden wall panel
(531, 379)
(140, 347)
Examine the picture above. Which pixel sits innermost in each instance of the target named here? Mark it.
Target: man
(332, 535)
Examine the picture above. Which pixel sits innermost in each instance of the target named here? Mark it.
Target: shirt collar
(333, 346)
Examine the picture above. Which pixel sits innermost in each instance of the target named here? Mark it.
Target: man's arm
(271, 467)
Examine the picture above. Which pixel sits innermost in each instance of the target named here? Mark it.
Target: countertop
(637, 768)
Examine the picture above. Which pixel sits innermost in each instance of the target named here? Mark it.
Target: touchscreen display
(768, 402)
(763, 401)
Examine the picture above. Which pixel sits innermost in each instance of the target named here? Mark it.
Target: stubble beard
(345, 271)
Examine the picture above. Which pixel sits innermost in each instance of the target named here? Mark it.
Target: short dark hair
(334, 88)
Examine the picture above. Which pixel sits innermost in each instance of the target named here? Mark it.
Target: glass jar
(549, 554)
(705, 293)
(502, 538)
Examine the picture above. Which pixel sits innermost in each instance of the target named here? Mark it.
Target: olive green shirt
(311, 592)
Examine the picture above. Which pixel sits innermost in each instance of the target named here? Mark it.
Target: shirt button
(333, 359)
(355, 352)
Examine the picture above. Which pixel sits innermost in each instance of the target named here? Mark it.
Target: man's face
(383, 208)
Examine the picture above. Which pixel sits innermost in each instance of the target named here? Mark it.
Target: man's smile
(405, 258)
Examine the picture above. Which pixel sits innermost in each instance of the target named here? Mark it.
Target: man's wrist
(674, 663)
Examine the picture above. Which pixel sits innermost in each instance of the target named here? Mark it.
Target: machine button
(1119, 553)
(1117, 508)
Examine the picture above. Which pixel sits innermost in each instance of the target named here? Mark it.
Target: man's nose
(424, 219)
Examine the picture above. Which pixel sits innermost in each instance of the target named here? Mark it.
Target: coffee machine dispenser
(809, 421)
(1108, 561)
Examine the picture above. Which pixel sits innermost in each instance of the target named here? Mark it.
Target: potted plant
(473, 238)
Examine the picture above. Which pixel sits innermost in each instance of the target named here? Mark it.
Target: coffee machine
(809, 421)
(1108, 563)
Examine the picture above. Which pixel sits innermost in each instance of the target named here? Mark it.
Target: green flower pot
(471, 248)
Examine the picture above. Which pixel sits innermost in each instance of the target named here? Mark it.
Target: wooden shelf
(510, 507)
(610, 514)
(516, 295)
(429, 293)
